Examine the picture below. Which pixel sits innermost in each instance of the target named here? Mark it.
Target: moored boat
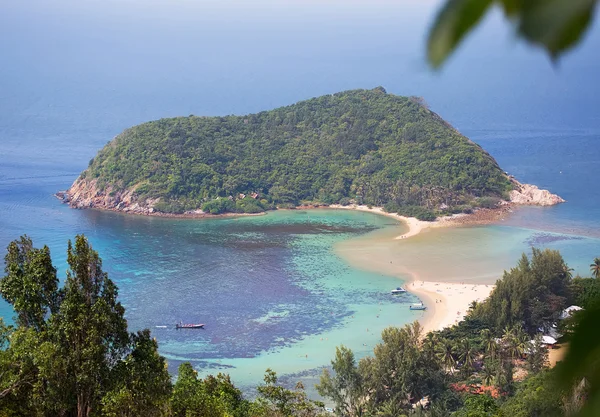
(399, 290)
(419, 306)
(189, 326)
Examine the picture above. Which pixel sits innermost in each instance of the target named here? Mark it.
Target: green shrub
(421, 213)
(345, 201)
(249, 205)
(487, 202)
(218, 206)
(391, 207)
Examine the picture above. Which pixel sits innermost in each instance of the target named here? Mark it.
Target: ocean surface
(275, 290)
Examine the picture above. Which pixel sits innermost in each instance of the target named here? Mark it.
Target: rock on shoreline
(86, 193)
(527, 194)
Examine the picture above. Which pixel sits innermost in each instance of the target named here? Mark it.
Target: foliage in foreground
(492, 364)
(554, 25)
(364, 145)
(70, 355)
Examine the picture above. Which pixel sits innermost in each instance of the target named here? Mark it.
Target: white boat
(417, 306)
(399, 290)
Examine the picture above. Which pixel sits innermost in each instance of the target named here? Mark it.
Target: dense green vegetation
(533, 293)
(365, 145)
(492, 364)
(70, 354)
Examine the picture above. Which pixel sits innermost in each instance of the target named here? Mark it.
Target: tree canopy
(366, 145)
(71, 353)
(532, 294)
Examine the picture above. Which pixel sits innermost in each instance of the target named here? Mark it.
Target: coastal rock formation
(527, 194)
(86, 194)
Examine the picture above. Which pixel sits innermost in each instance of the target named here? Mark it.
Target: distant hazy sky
(234, 56)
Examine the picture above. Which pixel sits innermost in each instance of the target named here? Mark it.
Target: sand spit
(448, 303)
(415, 226)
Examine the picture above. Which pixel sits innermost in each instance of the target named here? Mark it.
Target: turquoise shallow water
(477, 254)
(269, 288)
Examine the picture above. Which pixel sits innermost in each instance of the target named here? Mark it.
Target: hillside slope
(366, 145)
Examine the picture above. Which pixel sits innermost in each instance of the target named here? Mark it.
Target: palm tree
(569, 271)
(466, 355)
(595, 268)
(522, 340)
(430, 344)
(488, 374)
(515, 340)
(445, 353)
(489, 343)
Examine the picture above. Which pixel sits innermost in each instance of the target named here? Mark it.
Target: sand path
(447, 303)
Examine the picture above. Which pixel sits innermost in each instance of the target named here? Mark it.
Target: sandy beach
(447, 302)
(415, 226)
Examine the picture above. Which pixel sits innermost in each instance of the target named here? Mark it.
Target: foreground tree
(345, 386)
(538, 395)
(445, 354)
(70, 353)
(89, 329)
(537, 355)
(142, 387)
(211, 397)
(277, 401)
(466, 355)
(30, 284)
(490, 347)
(401, 371)
(532, 294)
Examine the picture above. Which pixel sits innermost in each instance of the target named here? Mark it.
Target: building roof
(568, 311)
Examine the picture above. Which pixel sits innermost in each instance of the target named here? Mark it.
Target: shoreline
(447, 302)
(187, 215)
(438, 314)
(415, 226)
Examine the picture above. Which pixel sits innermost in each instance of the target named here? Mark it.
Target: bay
(75, 74)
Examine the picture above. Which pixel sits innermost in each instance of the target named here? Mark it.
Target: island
(361, 147)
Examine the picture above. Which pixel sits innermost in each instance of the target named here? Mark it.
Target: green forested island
(366, 146)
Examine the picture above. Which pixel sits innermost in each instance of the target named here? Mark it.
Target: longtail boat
(189, 326)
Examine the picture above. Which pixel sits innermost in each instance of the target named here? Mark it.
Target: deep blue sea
(75, 74)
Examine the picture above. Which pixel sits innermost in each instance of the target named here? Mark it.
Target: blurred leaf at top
(554, 25)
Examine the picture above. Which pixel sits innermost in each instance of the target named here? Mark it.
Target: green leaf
(453, 22)
(556, 25)
(511, 7)
(582, 360)
(583, 346)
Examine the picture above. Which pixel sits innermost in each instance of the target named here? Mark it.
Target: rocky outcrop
(85, 193)
(527, 194)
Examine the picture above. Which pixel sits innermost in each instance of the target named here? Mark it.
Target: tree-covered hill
(367, 145)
